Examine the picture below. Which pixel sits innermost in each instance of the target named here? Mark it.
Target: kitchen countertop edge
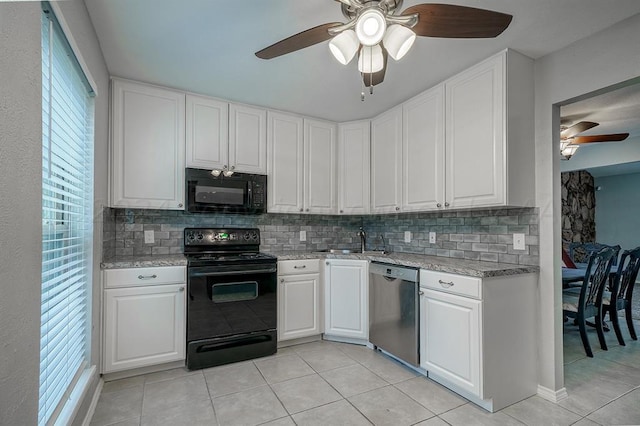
(472, 268)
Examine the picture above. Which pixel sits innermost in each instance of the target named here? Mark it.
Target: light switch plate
(303, 235)
(407, 236)
(518, 242)
(432, 237)
(149, 237)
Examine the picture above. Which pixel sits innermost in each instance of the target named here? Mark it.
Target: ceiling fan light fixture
(344, 46)
(370, 27)
(371, 59)
(567, 150)
(398, 40)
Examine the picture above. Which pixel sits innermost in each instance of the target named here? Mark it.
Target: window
(67, 219)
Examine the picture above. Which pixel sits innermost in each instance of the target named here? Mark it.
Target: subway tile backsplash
(478, 234)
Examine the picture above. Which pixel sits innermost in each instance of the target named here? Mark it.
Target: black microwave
(238, 193)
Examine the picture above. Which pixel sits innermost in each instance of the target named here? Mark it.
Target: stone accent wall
(578, 208)
(478, 235)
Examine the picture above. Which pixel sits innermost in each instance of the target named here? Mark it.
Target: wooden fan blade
(451, 21)
(577, 128)
(373, 79)
(298, 41)
(614, 137)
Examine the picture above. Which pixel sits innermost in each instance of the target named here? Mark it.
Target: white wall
(617, 210)
(607, 58)
(20, 192)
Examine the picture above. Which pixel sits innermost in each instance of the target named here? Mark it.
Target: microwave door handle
(250, 193)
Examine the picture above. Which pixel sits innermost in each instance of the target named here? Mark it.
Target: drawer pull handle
(299, 267)
(147, 277)
(181, 289)
(446, 284)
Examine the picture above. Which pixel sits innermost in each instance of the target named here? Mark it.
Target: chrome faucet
(363, 239)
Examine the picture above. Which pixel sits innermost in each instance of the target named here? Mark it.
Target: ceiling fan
(570, 141)
(377, 29)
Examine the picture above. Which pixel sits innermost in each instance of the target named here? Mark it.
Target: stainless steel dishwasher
(393, 310)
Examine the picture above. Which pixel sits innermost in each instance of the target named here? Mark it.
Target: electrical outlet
(303, 235)
(407, 236)
(149, 237)
(518, 242)
(432, 237)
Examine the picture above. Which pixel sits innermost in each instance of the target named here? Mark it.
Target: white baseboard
(94, 402)
(551, 395)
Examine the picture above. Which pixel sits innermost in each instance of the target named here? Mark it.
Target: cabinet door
(450, 341)
(247, 139)
(143, 326)
(386, 161)
(423, 151)
(346, 298)
(148, 148)
(207, 134)
(299, 306)
(284, 163)
(320, 145)
(475, 128)
(354, 167)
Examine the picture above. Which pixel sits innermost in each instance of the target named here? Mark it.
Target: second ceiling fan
(376, 29)
(570, 140)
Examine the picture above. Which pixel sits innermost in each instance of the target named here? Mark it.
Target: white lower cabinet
(299, 299)
(144, 317)
(346, 292)
(477, 335)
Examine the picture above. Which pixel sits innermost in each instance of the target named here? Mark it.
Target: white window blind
(67, 219)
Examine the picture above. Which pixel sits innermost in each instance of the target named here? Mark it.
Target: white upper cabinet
(320, 144)
(147, 146)
(489, 133)
(284, 163)
(386, 161)
(247, 139)
(226, 136)
(354, 167)
(207, 133)
(423, 151)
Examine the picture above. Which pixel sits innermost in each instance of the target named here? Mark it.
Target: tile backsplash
(477, 234)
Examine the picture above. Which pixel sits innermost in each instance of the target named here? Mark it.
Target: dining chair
(588, 302)
(621, 293)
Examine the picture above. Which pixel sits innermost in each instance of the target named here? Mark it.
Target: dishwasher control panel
(394, 271)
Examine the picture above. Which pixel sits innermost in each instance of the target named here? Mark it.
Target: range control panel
(220, 236)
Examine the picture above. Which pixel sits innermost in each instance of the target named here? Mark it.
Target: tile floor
(326, 383)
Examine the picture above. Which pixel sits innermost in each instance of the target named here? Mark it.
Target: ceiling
(616, 111)
(207, 47)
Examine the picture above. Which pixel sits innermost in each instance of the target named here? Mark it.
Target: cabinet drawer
(304, 266)
(129, 277)
(451, 283)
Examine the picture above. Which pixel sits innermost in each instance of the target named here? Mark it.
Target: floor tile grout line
(213, 407)
(613, 400)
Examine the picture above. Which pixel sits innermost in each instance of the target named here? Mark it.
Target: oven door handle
(196, 273)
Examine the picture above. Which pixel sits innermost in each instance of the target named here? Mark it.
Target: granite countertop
(471, 268)
(120, 262)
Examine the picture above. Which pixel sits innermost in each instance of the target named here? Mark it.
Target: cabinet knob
(224, 167)
(301, 210)
(181, 289)
(180, 205)
(420, 293)
(446, 204)
(307, 209)
(397, 209)
(341, 211)
(438, 205)
(327, 263)
(233, 167)
(282, 280)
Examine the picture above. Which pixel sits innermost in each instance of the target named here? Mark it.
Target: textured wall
(578, 208)
(20, 211)
(478, 235)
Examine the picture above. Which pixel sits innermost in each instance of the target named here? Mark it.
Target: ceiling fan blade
(373, 79)
(577, 128)
(452, 21)
(614, 137)
(298, 41)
